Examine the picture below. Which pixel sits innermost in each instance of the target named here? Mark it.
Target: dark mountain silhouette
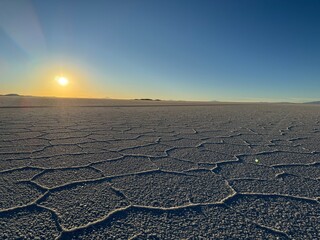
(315, 102)
(11, 95)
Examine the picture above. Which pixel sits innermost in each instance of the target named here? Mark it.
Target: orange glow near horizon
(71, 81)
(66, 79)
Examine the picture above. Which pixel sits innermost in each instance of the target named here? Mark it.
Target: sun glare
(63, 81)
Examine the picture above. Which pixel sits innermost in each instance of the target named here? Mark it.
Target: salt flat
(104, 169)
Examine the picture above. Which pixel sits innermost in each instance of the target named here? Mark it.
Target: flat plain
(158, 170)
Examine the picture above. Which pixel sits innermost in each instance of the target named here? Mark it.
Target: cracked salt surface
(222, 171)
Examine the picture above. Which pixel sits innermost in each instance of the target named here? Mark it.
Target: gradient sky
(192, 50)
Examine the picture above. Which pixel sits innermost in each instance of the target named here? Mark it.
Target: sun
(63, 81)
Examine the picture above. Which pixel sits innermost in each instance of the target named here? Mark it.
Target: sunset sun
(63, 81)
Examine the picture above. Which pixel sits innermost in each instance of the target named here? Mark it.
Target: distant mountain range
(146, 99)
(316, 102)
(11, 95)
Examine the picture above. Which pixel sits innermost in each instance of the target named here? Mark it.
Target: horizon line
(254, 100)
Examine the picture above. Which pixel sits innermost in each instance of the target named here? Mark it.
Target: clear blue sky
(194, 50)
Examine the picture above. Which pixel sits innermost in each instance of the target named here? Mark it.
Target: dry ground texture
(230, 171)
